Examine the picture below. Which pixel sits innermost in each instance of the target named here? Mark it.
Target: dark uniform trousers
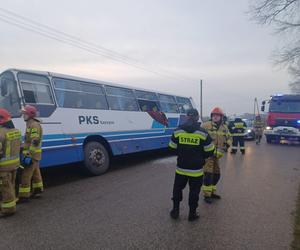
(195, 184)
(236, 141)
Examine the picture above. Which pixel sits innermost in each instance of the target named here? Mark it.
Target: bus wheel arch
(97, 155)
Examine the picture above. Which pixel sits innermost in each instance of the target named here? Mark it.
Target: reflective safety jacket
(237, 127)
(193, 145)
(33, 140)
(10, 143)
(220, 136)
(258, 125)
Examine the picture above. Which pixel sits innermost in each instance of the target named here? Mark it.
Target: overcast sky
(210, 40)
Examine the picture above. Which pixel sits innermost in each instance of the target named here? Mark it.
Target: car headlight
(268, 128)
(249, 130)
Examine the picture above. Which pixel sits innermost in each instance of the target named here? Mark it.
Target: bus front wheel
(96, 158)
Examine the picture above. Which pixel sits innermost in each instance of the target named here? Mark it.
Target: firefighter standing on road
(10, 142)
(193, 145)
(32, 153)
(237, 129)
(221, 138)
(258, 125)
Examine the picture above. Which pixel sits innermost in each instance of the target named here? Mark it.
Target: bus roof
(70, 77)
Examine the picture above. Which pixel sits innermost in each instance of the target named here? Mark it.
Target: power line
(23, 26)
(54, 34)
(65, 34)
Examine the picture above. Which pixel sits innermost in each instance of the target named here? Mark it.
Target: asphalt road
(128, 208)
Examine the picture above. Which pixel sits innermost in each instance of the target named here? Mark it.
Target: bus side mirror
(3, 87)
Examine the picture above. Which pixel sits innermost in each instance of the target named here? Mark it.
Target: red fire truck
(283, 119)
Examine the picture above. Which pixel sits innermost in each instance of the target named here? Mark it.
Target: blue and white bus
(91, 121)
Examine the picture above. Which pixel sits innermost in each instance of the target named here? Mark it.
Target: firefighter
(10, 142)
(258, 125)
(193, 145)
(32, 152)
(221, 138)
(237, 129)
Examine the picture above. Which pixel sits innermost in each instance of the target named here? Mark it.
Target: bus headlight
(268, 128)
(249, 130)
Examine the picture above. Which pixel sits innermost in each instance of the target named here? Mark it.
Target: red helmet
(30, 111)
(217, 111)
(4, 116)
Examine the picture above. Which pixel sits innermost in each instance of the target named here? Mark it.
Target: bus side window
(148, 101)
(169, 107)
(168, 103)
(36, 90)
(81, 95)
(36, 93)
(122, 103)
(113, 103)
(184, 104)
(145, 95)
(60, 97)
(146, 105)
(121, 99)
(28, 93)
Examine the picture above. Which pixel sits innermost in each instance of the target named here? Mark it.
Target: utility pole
(254, 108)
(201, 103)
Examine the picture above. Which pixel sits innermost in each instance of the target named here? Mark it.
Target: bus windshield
(9, 98)
(284, 106)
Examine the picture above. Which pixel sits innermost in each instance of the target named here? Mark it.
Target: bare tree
(284, 15)
(295, 72)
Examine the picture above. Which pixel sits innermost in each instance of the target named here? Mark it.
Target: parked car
(250, 134)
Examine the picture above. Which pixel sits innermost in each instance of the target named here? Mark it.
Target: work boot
(216, 196)
(243, 152)
(174, 213)
(207, 199)
(233, 152)
(37, 193)
(36, 196)
(193, 215)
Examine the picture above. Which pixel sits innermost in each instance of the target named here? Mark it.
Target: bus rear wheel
(96, 158)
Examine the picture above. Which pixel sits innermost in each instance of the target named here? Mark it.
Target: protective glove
(26, 161)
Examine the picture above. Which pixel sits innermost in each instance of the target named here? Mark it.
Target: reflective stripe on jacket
(10, 142)
(220, 136)
(237, 128)
(33, 140)
(193, 145)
